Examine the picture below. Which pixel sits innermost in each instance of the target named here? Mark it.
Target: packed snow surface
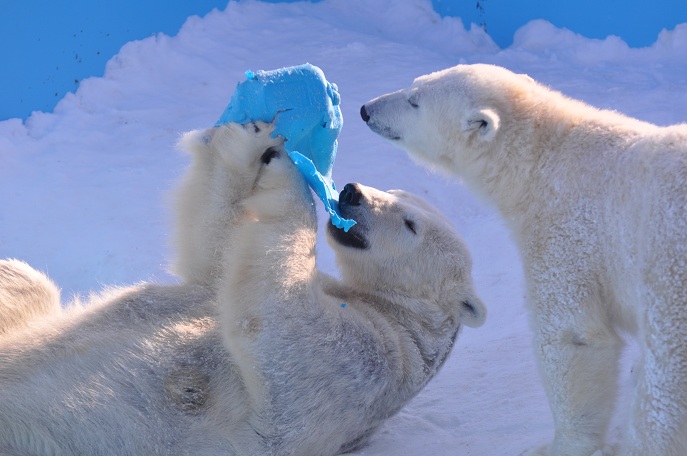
(85, 189)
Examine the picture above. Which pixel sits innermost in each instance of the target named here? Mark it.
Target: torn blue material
(304, 107)
(324, 188)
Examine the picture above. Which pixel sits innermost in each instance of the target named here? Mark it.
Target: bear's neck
(535, 159)
(502, 171)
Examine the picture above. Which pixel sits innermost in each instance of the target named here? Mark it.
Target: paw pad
(268, 155)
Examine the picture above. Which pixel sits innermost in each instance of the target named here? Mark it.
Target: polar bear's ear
(473, 312)
(484, 122)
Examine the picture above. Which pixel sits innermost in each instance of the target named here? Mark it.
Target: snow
(85, 189)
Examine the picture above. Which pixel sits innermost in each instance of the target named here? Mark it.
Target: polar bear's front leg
(269, 273)
(578, 357)
(658, 422)
(224, 168)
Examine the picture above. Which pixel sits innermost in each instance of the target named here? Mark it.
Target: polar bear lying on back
(257, 353)
(598, 205)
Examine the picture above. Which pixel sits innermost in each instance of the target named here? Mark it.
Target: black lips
(353, 238)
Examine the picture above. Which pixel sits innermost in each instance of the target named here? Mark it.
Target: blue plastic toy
(305, 110)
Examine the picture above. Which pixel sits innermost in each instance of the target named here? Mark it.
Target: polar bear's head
(402, 246)
(449, 118)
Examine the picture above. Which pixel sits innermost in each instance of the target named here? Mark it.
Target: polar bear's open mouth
(353, 238)
(350, 203)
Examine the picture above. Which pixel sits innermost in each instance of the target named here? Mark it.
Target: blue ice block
(305, 109)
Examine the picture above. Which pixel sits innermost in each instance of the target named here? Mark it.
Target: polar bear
(256, 352)
(25, 294)
(597, 203)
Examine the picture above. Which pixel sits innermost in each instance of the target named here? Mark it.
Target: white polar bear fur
(597, 203)
(256, 353)
(25, 295)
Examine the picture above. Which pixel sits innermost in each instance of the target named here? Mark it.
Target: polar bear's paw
(242, 146)
(279, 188)
(277, 172)
(230, 153)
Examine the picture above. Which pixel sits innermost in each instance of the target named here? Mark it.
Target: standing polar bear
(597, 203)
(256, 353)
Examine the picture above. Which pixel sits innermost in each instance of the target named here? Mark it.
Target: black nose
(364, 114)
(351, 195)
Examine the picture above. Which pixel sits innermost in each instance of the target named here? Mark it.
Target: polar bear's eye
(413, 102)
(410, 225)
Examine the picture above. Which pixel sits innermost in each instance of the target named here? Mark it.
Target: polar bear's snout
(382, 114)
(376, 124)
(350, 195)
(364, 114)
